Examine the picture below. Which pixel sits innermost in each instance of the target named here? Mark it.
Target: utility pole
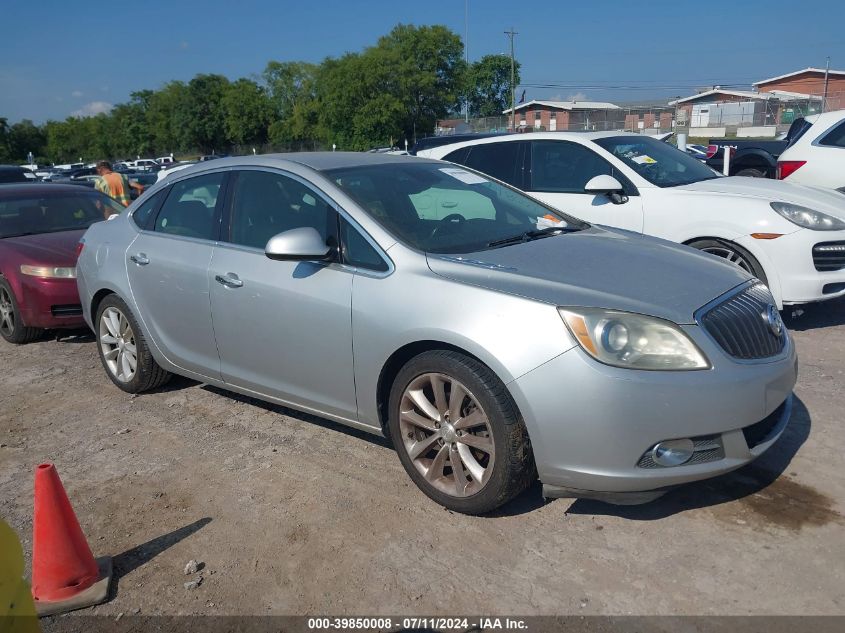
(466, 55)
(511, 35)
(826, 73)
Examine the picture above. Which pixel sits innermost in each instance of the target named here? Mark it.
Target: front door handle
(229, 280)
(141, 259)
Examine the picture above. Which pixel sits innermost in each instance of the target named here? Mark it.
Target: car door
(167, 265)
(283, 328)
(559, 170)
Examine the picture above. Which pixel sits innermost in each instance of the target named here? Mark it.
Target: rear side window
(189, 210)
(141, 217)
(836, 137)
(13, 175)
(499, 160)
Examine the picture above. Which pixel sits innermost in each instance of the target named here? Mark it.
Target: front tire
(751, 172)
(733, 253)
(12, 328)
(458, 432)
(123, 350)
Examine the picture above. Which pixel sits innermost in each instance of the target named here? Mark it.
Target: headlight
(807, 218)
(633, 341)
(49, 272)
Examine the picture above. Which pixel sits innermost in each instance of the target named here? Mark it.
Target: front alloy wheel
(117, 344)
(7, 314)
(447, 435)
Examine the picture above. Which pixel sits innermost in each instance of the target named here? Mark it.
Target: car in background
(698, 152)
(484, 341)
(165, 160)
(14, 173)
(755, 158)
(788, 236)
(40, 227)
(818, 157)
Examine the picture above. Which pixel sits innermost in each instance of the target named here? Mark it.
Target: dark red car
(40, 227)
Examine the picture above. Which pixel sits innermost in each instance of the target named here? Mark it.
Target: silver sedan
(492, 338)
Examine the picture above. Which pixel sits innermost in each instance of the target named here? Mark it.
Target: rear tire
(123, 349)
(734, 254)
(12, 327)
(751, 172)
(448, 408)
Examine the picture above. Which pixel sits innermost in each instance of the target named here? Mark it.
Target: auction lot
(292, 514)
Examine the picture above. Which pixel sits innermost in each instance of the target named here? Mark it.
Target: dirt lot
(296, 515)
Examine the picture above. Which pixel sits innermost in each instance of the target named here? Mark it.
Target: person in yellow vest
(113, 184)
(17, 609)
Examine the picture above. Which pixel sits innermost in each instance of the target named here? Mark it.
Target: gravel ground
(291, 514)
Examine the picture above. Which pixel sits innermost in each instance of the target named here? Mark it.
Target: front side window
(563, 167)
(46, 212)
(357, 251)
(658, 162)
(836, 137)
(500, 160)
(190, 208)
(441, 208)
(265, 204)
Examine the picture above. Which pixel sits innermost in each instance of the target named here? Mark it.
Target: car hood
(824, 200)
(600, 268)
(47, 249)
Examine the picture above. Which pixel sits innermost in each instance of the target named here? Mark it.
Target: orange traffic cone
(65, 575)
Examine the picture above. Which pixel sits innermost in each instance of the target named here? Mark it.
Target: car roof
(22, 189)
(318, 161)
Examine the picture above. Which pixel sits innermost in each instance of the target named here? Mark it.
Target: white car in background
(818, 156)
(790, 237)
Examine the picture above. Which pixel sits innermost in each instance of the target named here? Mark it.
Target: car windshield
(659, 163)
(51, 213)
(441, 208)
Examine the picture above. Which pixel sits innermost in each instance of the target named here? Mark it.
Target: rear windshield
(46, 213)
(13, 175)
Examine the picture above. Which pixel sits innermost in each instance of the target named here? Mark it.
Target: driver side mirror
(302, 244)
(608, 185)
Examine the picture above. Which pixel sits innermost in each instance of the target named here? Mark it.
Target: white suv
(790, 237)
(818, 157)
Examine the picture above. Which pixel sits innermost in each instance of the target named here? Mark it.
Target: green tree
(488, 85)
(25, 137)
(5, 153)
(247, 112)
(292, 89)
(165, 117)
(427, 68)
(203, 119)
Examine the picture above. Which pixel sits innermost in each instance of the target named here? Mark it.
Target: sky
(60, 58)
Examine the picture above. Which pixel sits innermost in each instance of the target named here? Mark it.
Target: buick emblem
(773, 320)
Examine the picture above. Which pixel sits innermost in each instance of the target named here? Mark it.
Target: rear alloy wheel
(458, 432)
(734, 254)
(12, 328)
(123, 350)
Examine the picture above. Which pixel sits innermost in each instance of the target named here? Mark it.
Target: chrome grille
(740, 325)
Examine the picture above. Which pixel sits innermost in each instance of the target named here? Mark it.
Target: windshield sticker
(548, 221)
(464, 176)
(645, 159)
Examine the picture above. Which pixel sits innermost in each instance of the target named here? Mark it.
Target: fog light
(673, 452)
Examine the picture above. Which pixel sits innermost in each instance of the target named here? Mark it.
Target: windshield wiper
(535, 234)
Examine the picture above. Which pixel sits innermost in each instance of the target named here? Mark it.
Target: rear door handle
(141, 259)
(229, 280)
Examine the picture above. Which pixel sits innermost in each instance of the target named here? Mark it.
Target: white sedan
(818, 156)
(791, 237)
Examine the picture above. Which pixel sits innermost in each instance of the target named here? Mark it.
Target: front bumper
(590, 424)
(50, 303)
(790, 258)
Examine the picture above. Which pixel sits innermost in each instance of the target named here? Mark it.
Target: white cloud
(76, 93)
(578, 96)
(93, 108)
